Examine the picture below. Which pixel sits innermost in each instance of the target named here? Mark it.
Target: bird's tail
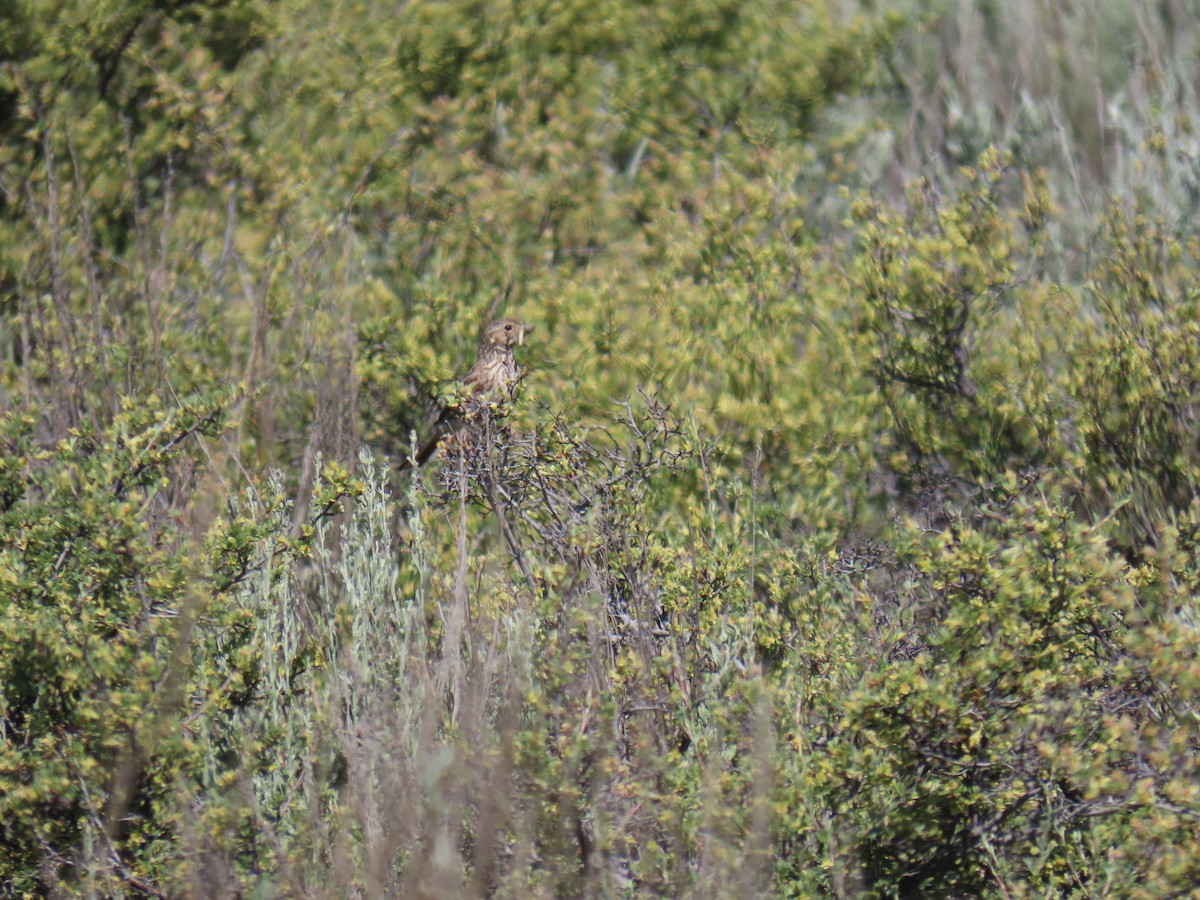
(422, 456)
(449, 421)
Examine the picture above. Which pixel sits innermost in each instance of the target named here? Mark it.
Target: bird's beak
(524, 331)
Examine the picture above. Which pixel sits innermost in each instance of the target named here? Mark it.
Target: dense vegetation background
(843, 543)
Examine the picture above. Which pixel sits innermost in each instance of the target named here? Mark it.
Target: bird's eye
(508, 328)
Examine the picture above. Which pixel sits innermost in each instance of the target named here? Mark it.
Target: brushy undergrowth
(844, 542)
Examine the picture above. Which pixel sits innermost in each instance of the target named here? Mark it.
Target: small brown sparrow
(493, 379)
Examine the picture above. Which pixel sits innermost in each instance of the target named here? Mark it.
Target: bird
(493, 378)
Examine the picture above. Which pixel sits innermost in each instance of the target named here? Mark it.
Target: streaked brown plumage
(493, 379)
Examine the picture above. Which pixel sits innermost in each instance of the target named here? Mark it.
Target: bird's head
(505, 333)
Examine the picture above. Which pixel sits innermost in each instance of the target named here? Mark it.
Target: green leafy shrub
(98, 598)
(883, 585)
